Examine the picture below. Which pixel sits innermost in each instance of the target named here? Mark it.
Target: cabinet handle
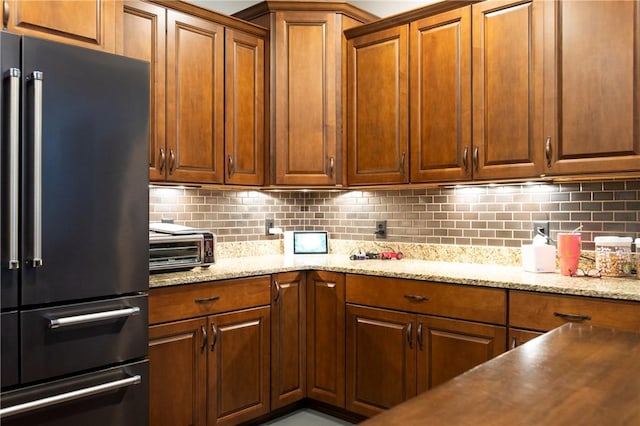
(331, 166)
(410, 334)
(214, 331)
(5, 14)
(420, 335)
(37, 77)
(276, 300)
(163, 160)
(514, 342)
(207, 299)
(329, 285)
(572, 317)
(475, 158)
(172, 164)
(416, 298)
(14, 164)
(205, 338)
(547, 151)
(230, 170)
(465, 159)
(402, 158)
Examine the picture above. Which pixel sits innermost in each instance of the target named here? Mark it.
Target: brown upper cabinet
(507, 89)
(90, 23)
(306, 86)
(591, 76)
(196, 135)
(378, 107)
(440, 68)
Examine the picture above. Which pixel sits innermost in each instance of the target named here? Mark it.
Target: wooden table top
(573, 375)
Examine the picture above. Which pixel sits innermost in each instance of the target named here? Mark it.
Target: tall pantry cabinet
(207, 107)
(306, 86)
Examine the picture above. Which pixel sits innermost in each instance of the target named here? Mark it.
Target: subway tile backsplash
(495, 216)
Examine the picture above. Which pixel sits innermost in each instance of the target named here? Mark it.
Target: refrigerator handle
(69, 396)
(14, 161)
(37, 78)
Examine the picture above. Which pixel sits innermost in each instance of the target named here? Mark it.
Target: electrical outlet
(268, 224)
(542, 227)
(381, 229)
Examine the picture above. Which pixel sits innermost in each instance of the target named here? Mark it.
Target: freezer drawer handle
(98, 316)
(14, 161)
(69, 396)
(36, 77)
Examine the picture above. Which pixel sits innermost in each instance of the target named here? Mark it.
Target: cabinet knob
(465, 159)
(205, 338)
(230, 169)
(172, 164)
(214, 331)
(331, 166)
(163, 160)
(475, 159)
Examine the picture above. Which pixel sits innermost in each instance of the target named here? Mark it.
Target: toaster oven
(169, 252)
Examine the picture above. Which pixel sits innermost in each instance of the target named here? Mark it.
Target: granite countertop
(508, 277)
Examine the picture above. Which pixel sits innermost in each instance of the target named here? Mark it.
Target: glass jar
(613, 256)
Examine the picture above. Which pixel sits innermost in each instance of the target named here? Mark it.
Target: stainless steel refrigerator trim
(14, 160)
(93, 317)
(37, 78)
(68, 396)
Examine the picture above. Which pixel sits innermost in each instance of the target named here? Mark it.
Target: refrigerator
(74, 227)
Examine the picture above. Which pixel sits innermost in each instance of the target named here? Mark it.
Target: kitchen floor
(307, 417)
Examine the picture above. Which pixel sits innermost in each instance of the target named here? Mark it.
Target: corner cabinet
(591, 75)
(209, 352)
(306, 88)
(197, 134)
(93, 23)
(378, 107)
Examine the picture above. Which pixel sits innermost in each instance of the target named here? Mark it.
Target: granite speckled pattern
(508, 277)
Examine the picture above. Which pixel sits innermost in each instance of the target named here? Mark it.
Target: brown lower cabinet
(392, 355)
(209, 352)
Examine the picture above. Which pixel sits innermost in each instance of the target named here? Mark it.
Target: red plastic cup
(569, 251)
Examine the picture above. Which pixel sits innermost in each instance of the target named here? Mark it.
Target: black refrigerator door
(92, 194)
(10, 201)
(116, 396)
(9, 344)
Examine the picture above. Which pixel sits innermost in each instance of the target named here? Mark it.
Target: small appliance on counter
(538, 256)
(175, 247)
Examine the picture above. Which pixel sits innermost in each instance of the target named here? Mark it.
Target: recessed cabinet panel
(378, 107)
(440, 59)
(591, 84)
(506, 86)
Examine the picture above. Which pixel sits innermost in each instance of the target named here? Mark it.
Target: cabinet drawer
(194, 300)
(448, 300)
(538, 311)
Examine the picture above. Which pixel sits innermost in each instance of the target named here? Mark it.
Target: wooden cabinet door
(89, 23)
(507, 89)
(238, 366)
(447, 348)
(195, 99)
(381, 359)
(440, 81)
(378, 107)
(288, 339)
(591, 78)
(178, 373)
(326, 337)
(244, 108)
(305, 94)
(144, 38)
